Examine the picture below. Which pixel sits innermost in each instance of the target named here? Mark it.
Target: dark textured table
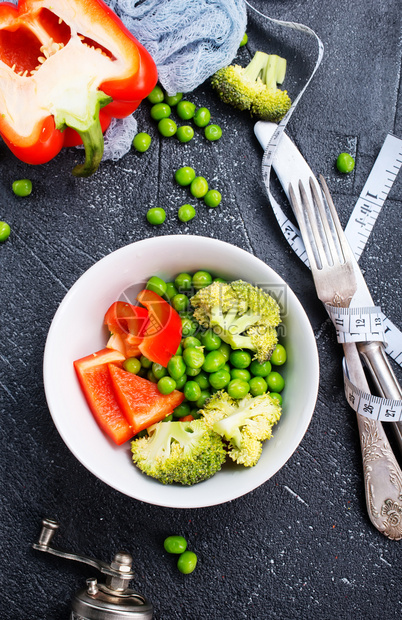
(301, 545)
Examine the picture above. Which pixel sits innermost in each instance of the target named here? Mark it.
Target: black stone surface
(301, 545)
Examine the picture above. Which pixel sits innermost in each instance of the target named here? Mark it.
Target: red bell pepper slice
(60, 62)
(94, 377)
(140, 399)
(127, 324)
(163, 335)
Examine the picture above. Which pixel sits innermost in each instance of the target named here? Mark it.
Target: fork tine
(308, 210)
(343, 242)
(330, 244)
(302, 225)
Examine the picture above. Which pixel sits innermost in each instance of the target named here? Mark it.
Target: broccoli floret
(179, 452)
(243, 315)
(255, 88)
(245, 424)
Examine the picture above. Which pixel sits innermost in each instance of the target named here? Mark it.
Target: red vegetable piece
(140, 399)
(127, 324)
(94, 377)
(163, 335)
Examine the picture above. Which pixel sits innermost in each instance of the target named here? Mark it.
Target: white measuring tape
(352, 325)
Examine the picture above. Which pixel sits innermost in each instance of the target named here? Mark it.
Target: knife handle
(383, 376)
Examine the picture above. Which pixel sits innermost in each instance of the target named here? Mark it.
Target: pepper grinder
(112, 600)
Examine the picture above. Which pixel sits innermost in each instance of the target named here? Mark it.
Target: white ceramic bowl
(77, 330)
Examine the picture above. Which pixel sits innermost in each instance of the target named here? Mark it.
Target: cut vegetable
(163, 335)
(127, 325)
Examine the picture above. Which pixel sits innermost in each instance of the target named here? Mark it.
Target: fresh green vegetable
(176, 367)
(145, 362)
(240, 359)
(171, 290)
(186, 213)
(156, 95)
(244, 316)
(183, 281)
(214, 361)
(258, 386)
(202, 117)
(166, 385)
(202, 380)
(167, 127)
(5, 231)
(199, 187)
(142, 141)
(212, 198)
(181, 410)
(201, 279)
(132, 364)
(240, 373)
(244, 40)
(238, 388)
(275, 382)
(278, 357)
(255, 88)
(192, 391)
(22, 187)
(175, 544)
(185, 175)
(185, 133)
(191, 341)
(156, 216)
(213, 132)
(245, 424)
(160, 110)
(261, 369)
(345, 163)
(187, 562)
(276, 396)
(173, 100)
(185, 110)
(179, 452)
(158, 370)
(189, 327)
(157, 285)
(210, 340)
(180, 302)
(193, 357)
(219, 379)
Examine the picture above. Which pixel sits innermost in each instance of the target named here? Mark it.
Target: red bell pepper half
(94, 377)
(60, 63)
(163, 334)
(127, 325)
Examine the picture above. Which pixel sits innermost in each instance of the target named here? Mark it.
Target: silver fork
(332, 265)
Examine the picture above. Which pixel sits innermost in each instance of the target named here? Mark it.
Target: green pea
(180, 302)
(258, 386)
(151, 377)
(212, 198)
(210, 340)
(22, 187)
(219, 379)
(142, 372)
(275, 382)
(220, 280)
(167, 127)
(188, 326)
(202, 117)
(5, 231)
(175, 544)
(176, 367)
(240, 373)
(185, 133)
(179, 350)
(202, 379)
(345, 163)
(240, 359)
(186, 213)
(238, 389)
(192, 391)
(192, 372)
(226, 350)
(185, 175)
(160, 110)
(278, 356)
(173, 100)
(183, 282)
(156, 95)
(159, 370)
(226, 367)
(142, 141)
(145, 362)
(156, 216)
(199, 187)
(166, 385)
(213, 132)
(187, 562)
(157, 285)
(193, 357)
(276, 396)
(260, 369)
(181, 381)
(185, 110)
(201, 279)
(244, 40)
(171, 290)
(214, 360)
(168, 418)
(204, 396)
(181, 410)
(132, 364)
(190, 341)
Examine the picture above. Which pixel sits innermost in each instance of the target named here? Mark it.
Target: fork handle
(381, 471)
(385, 381)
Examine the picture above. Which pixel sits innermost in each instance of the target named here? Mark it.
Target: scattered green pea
(156, 216)
(193, 357)
(181, 410)
(276, 396)
(186, 213)
(260, 369)
(167, 127)
(160, 111)
(188, 326)
(204, 396)
(175, 544)
(156, 95)
(180, 382)
(176, 367)
(240, 373)
(5, 231)
(244, 40)
(238, 389)
(158, 370)
(214, 361)
(151, 377)
(185, 133)
(219, 379)
(212, 198)
(345, 163)
(157, 285)
(192, 372)
(145, 362)
(213, 132)
(187, 562)
(142, 141)
(278, 356)
(192, 391)
(180, 302)
(185, 110)
(132, 364)
(173, 100)
(199, 187)
(171, 290)
(240, 359)
(275, 382)
(22, 187)
(190, 341)
(210, 340)
(225, 349)
(166, 385)
(183, 281)
(185, 175)
(202, 117)
(202, 379)
(201, 279)
(258, 386)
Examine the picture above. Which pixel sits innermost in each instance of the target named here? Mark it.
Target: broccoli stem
(270, 68)
(256, 68)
